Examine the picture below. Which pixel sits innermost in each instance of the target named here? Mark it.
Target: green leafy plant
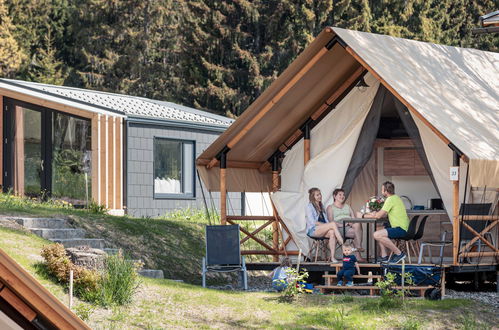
(295, 284)
(84, 311)
(120, 280)
(389, 294)
(96, 208)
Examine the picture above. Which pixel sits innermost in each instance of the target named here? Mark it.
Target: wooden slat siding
(103, 160)
(119, 164)
(106, 138)
(47, 104)
(42, 301)
(19, 152)
(1, 140)
(19, 305)
(95, 158)
(398, 162)
(111, 157)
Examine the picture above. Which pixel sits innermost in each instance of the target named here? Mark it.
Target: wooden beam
(95, 174)
(223, 196)
(277, 98)
(455, 209)
(261, 242)
(479, 254)
(478, 236)
(275, 223)
(19, 305)
(359, 72)
(1, 140)
(396, 94)
(111, 158)
(324, 109)
(230, 164)
(264, 167)
(479, 217)
(119, 163)
(19, 151)
(46, 104)
(250, 217)
(103, 159)
(268, 252)
(256, 231)
(306, 151)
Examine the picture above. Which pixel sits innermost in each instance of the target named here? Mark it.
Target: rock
(87, 257)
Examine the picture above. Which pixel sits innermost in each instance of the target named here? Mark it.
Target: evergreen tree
(11, 56)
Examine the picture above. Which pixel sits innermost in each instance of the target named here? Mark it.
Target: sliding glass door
(46, 153)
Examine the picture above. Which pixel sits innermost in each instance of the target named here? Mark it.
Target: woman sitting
(339, 211)
(317, 224)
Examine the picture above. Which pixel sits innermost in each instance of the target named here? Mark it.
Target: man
(394, 208)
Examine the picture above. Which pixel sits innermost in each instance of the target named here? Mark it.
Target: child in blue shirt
(280, 275)
(349, 265)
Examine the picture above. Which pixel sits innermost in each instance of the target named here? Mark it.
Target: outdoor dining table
(368, 221)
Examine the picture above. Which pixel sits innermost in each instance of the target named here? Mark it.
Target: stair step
(95, 243)
(49, 223)
(111, 251)
(58, 233)
(152, 273)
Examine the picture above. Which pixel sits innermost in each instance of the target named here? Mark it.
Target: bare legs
(385, 243)
(329, 230)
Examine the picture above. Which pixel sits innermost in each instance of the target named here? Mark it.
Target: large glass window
(71, 158)
(173, 168)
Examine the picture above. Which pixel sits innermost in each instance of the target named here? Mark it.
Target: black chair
(477, 225)
(223, 252)
(419, 233)
(411, 231)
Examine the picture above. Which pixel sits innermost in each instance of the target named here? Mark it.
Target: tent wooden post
(306, 142)
(223, 188)
(275, 224)
(455, 210)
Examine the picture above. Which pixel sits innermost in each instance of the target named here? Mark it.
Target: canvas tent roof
(454, 91)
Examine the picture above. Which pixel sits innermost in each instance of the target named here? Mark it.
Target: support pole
(306, 142)
(455, 210)
(223, 188)
(275, 224)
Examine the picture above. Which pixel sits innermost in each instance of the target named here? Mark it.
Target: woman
(317, 224)
(339, 211)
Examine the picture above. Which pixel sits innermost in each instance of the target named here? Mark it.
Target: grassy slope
(167, 304)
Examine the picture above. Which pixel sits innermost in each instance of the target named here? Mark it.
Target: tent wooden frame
(280, 89)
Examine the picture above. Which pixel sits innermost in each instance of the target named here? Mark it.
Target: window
(173, 168)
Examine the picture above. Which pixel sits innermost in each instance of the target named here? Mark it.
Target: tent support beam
(306, 142)
(455, 209)
(399, 97)
(275, 187)
(223, 186)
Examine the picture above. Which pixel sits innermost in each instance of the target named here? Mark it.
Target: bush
(86, 282)
(119, 281)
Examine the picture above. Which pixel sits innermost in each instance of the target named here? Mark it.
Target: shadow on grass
(41, 270)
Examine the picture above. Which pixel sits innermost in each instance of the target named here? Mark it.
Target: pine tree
(11, 56)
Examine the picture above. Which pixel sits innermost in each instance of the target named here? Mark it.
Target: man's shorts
(396, 232)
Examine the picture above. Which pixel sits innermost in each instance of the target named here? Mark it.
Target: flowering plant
(374, 203)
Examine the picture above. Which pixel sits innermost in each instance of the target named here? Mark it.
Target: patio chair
(403, 242)
(223, 253)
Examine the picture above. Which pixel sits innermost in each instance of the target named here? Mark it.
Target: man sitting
(399, 223)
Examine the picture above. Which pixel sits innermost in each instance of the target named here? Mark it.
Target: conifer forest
(209, 54)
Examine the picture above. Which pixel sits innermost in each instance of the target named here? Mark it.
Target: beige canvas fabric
(455, 89)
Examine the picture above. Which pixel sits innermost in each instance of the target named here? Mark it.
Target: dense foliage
(218, 55)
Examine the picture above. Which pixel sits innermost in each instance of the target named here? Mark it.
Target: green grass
(178, 247)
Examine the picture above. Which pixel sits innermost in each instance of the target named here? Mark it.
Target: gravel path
(491, 298)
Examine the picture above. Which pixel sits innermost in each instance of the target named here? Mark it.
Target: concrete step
(95, 243)
(41, 223)
(152, 273)
(59, 233)
(111, 251)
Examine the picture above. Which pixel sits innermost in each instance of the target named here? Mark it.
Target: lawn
(178, 245)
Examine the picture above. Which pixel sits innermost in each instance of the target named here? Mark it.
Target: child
(280, 275)
(349, 265)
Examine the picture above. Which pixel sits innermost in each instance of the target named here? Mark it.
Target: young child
(349, 265)
(280, 276)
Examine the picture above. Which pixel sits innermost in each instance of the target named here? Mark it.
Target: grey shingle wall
(140, 199)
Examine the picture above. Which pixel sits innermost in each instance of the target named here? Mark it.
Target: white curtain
(332, 143)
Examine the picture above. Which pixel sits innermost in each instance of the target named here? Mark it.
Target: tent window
(174, 168)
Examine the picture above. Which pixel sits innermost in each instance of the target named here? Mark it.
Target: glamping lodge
(130, 154)
(353, 110)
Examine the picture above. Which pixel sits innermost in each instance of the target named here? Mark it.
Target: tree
(11, 56)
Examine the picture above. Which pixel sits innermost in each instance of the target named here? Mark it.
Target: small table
(364, 220)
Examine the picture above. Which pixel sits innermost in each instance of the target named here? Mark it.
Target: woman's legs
(322, 230)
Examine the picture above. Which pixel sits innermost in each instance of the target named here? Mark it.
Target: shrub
(120, 280)
(86, 282)
(96, 208)
(84, 311)
(295, 284)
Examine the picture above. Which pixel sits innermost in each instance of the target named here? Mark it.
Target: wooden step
(373, 288)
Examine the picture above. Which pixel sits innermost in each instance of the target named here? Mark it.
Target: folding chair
(223, 253)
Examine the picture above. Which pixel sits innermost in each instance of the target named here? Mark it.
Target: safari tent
(355, 109)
